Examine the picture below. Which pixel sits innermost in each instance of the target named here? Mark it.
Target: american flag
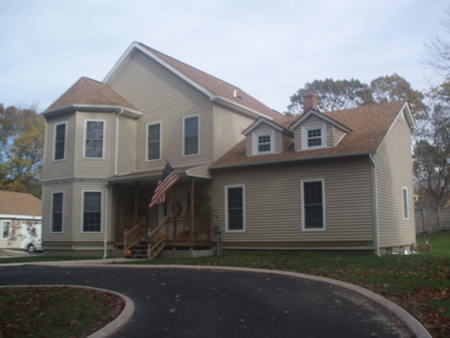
(167, 180)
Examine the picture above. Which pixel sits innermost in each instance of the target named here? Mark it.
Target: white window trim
(305, 130)
(255, 142)
(303, 203)
(101, 212)
(84, 140)
(54, 141)
(51, 213)
(9, 230)
(198, 140)
(160, 141)
(243, 207)
(403, 203)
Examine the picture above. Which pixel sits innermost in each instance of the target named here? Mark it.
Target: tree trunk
(439, 217)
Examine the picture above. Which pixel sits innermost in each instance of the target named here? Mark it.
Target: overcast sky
(268, 48)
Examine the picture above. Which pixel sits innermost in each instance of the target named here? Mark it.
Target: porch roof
(197, 171)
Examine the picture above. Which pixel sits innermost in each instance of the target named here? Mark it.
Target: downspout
(116, 153)
(105, 243)
(377, 225)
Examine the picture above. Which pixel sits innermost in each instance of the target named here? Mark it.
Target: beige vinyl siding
(312, 121)
(264, 128)
(330, 135)
(127, 145)
(338, 135)
(228, 128)
(95, 167)
(273, 200)
(61, 168)
(287, 141)
(47, 192)
(77, 212)
(394, 170)
(163, 97)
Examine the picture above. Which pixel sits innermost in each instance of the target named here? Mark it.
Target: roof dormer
(267, 137)
(314, 130)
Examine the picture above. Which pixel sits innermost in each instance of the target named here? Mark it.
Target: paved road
(192, 303)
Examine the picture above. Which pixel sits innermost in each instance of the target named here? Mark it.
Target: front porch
(183, 221)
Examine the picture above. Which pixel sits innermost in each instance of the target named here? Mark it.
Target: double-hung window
(94, 139)
(57, 211)
(154, 141)
(6, 227)
(313, 201)
(191, 139)
(314, 137)
(92, 211)
(60, 141)
(235, 208)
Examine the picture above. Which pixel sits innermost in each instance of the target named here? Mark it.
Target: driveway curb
(111, 328)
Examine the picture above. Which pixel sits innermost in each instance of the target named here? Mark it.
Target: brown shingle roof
(17, 203)
(90, 92)
(215, 85)
(368, 124)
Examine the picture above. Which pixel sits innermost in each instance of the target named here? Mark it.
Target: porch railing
(179, 229)
(134, 235)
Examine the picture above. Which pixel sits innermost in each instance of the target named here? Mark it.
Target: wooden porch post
(192, 210)
(135, 202)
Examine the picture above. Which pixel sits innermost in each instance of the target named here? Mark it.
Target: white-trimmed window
(153, 141)
(235, 208)
(60, 142)
(405, 203)
(313, 204)
(314, 137)
(6, 228)
(263, 143)
(92, 211)
(191, 136)
(94, 134)
(57, 211)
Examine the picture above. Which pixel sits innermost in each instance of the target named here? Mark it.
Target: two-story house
(336, 180)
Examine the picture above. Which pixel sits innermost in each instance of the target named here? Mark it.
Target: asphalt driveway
(194, 303)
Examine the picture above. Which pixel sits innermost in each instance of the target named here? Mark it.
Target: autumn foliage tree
(21, 153)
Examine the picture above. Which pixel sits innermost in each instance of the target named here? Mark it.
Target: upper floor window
(60, 141)
(313, 137)
(405, 203)
(154, 141)
(191, 136)
(92, 211)
(263, 142)
(57, 212)
(313, 204)
(94, 139)
(5, 229)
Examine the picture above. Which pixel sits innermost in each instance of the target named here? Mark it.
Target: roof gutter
(240, 165)
(134, 114)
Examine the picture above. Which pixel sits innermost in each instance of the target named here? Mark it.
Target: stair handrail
(134, 235)
(154, 243)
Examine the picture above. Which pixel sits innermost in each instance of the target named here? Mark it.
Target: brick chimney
(310, 101)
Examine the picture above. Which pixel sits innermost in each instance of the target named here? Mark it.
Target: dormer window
(263, 143)
(314, 137)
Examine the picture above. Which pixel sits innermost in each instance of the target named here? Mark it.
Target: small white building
(20, 221)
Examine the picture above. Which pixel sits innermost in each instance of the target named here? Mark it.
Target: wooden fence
(426, 220)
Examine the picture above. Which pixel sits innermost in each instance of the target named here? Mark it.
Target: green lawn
(419, 282)
(55, 311)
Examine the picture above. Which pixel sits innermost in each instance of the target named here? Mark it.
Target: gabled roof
(321, 116)
(216, 89)
(87, 92)
(17, 203)
(270, 123)
(369, 125)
